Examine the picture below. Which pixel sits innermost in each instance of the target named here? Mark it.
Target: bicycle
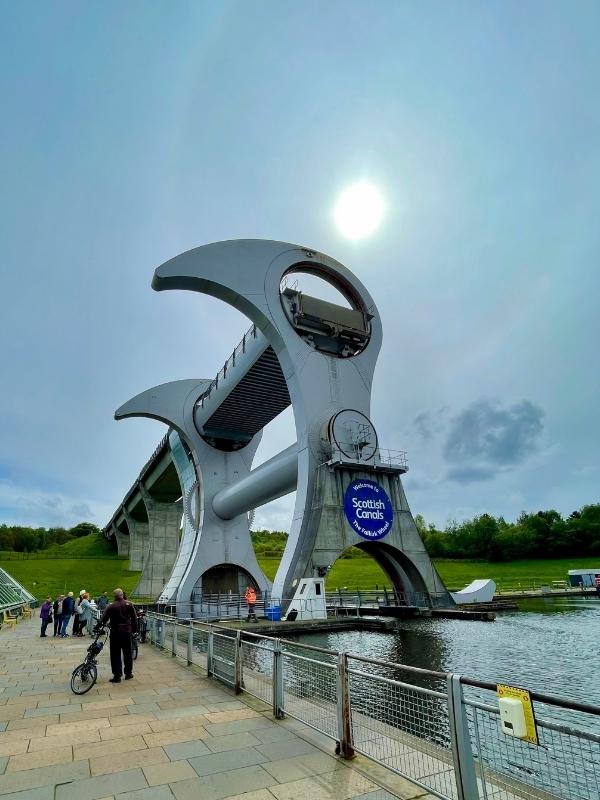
(85, 675)
(135, 638)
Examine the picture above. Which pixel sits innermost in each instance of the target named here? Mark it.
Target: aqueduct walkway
(166, 735)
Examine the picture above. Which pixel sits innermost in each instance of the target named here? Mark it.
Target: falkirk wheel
(315, 355)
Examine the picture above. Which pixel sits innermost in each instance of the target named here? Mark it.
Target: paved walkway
(166, 734)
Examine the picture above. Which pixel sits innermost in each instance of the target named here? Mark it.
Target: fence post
(238, 679)
(343, 708)
(209, 654)
(190, 644)
(460, 740)
(278, 712)
(174, 640)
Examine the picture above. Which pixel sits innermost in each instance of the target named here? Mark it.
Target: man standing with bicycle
(122, 619)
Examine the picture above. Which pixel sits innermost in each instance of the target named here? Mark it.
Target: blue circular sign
(368, 509)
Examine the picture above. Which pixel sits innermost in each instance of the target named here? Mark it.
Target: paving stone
(121, 761)
(44, 776)
(43, 793)
(159, 725)
(170, 703)
(41, 758)
(259, 794)
(27, 732)
(12, 746)
(222, 762)
(239, 726)
(232, 741)
(337, 785)
(168, 773)
(288, 748)
(381, 794)
(214, 717)
(179, 713)
(273, 734)
(298, 767)
(173, 737)
(96, 749)
(123, 731)
(23, 702)
(153, 793)
(85, 725)
(104, 704)
(99, 713)
(3, 763)
(63, 739)
(127, 719)
(186, 750)
(8, 713)
(144, 708)
(3, 725)
(224, 784)
(44, 712)
(102, 786)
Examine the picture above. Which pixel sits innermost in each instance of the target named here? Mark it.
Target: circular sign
(368, 509)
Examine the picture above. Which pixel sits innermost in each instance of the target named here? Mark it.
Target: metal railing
(222, 373)
(439, 730)
(227, 605)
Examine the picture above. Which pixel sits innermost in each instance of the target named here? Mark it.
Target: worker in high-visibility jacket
(250, 596)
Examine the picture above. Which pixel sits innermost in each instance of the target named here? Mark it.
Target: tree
(84, 529)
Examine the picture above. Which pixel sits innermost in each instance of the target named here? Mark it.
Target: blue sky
(134, 131)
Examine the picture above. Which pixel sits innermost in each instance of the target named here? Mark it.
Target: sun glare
(359, 210)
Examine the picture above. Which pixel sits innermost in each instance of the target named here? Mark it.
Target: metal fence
(230, 605)
(439, 730)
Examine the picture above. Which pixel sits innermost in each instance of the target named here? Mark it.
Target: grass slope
(364, 573)
(90, 563)
(86, 563)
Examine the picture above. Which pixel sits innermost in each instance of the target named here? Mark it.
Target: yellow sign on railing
(524, 697)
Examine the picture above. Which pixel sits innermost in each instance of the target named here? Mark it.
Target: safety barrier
(439, 730)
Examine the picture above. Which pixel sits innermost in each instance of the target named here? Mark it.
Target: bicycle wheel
(134, 648)
(83, 678)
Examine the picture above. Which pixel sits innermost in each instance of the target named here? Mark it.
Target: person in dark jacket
(102, 602)
(68, 609)
(46, 615)
(121, 617)
(57, 608)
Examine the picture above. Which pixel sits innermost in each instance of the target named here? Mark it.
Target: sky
(133, 131)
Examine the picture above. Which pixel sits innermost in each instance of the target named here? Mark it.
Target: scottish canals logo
(368, 509)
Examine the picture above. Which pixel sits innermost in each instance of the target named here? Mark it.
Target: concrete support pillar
(164, 523)
(138, 541)
(122, 542)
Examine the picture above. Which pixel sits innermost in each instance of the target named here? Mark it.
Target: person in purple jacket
(46, 615)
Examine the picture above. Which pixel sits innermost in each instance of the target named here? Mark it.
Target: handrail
(222, 373)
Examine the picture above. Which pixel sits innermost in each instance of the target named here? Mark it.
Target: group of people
(120, 616)
(85, 612)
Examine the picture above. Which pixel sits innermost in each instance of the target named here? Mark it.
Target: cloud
(28, 505)
(430, 423)
(487, 437)
(470, 474)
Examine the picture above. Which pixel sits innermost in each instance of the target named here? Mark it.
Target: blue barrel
(274, 613)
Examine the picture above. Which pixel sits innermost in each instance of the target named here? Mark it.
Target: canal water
(550, 645)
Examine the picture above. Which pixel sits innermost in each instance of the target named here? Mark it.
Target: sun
(359, 210)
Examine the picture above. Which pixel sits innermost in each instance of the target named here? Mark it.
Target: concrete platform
(165, 735)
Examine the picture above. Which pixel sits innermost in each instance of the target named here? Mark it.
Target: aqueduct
(185, 521)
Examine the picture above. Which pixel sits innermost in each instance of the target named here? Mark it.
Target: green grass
(457, 573)
(86, 563)
(90, 563)
(364, 573)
